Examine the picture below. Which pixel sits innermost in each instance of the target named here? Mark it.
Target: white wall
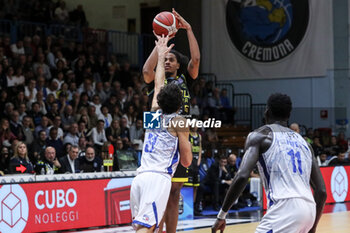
(99, 13)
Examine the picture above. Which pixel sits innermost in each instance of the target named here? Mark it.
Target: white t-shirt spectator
(107, 119)
(17, 51)
(98, 138)
(27, 93)
(61, 14)
(15, 80)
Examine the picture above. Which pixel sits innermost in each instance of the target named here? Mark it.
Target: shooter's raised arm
(162, 50)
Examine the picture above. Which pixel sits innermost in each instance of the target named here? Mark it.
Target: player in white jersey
(287, 168)
(163, 149)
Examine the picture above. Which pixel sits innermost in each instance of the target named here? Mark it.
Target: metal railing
(242, 103)
(258, 115)
(133, 47)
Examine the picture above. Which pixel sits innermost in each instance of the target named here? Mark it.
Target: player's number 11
(294, 156)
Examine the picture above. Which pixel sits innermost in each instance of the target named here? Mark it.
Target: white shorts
(293, 215)
(149, 196)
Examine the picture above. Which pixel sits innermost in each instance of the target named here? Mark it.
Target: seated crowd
(329, 149)
(62, 94)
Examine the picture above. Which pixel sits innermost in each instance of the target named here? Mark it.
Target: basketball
(165, 23)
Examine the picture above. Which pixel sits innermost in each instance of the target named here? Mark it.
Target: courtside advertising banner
(49, 206)
(248, 39)
(337, 184)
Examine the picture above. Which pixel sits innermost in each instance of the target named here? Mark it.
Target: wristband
(222, 214)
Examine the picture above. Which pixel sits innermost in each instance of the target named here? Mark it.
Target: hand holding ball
(165, 23)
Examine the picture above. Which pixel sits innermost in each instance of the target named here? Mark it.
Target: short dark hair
(280, 105)
(170, 98)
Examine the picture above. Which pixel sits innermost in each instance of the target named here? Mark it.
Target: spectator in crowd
(27, 41)
(82, 146)
(4, 161)
(130, 116)
(309, 136)
(211, 138)
(218, 180)
(113, 132)
(98, 136)
(124, 130)
(317, 146)
(3, 96)
(56, 122)
(96, 103)
(322, 159)
(49, 164)
(27, 129)
(30, 91)
(61, 13)
(17, 48)
(72, 136)
(6, 136)
(105, 116)
(41, 86)
(22, 111)
(100, 92)
(70, 162)
(119, 145)
(20, 159)
(295, 127)
(232, 165)
(44, 125)
(15, 126)
(82, 130)
(343, 144)
(136, 130)
(90, 162)
(333, 149)
(54, 141)
(38, 147)
(9, 107)
(40, 100)
(93, 118)
(67, 117)
(19, 99)
(339, 160)
(35, 113)
(194, 108)
(40, 68)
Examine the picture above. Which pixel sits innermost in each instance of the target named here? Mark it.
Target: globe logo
(265, 21)
(14, 208)
(267, 30)
(339, 184)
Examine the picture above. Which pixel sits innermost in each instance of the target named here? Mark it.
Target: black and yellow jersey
(182, 84)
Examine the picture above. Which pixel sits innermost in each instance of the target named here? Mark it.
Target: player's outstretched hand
(182, 22)
(219, 224)
(162, 45)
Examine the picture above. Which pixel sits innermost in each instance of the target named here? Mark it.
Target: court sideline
(337, 222)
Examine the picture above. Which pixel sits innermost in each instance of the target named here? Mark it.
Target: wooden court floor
(331, 222)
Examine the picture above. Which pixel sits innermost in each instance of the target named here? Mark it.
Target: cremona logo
(14, 208)
(339, 184)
